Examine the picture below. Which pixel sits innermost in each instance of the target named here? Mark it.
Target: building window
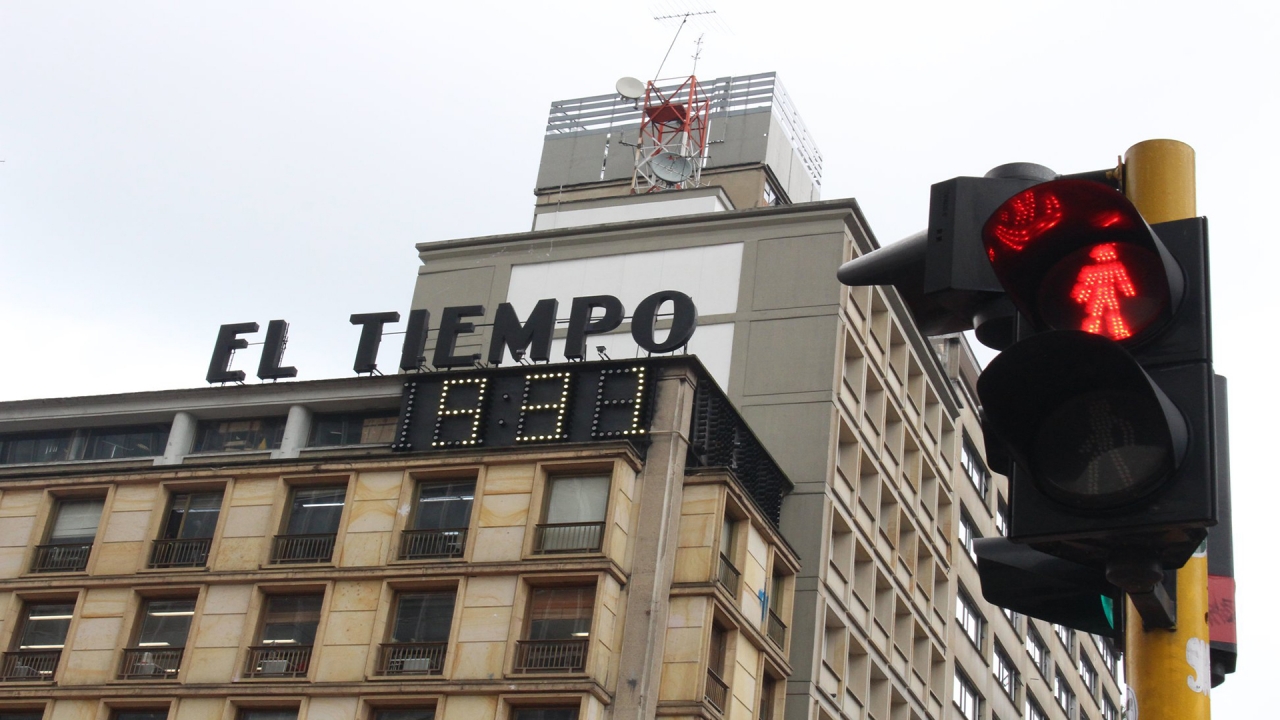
(353, 429)
(188, 530)
(111, 443)
(21, 715)
(419, 634)
(267, 715)
(1038, 651)
(574, 517)
(558, 631)
(406, 714)
(726, 572)
(1015, 619)
(774, 627)
(1064, 634)
(152, 714)
(1109, 711)
(287, 635)
(314, 514)
(966, 698)
(768, 698)
(1034, 711)
(1062, 693)
(38, 643)
(75, 525)
(1005, 672)
(240, 435)
(1108, 653)
(441, 516)
(974, 468)
(156, 654)
(546, 713)
(971, 621)
(717, 692)
(126, 442)
(968, 533)
(1089, 675)
(1002, 517)
(51, 446)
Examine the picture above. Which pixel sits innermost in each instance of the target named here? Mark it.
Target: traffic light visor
(1077, 255)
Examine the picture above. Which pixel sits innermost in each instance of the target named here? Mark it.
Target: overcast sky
(172, 167)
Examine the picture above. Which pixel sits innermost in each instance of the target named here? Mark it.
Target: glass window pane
(193, 515)
(561, 613)
(547, 714)
(240, 435)
(45, 625)
(444, 505)
(423, 617)
(140, 715)
(51, 447)
(378, 430)
(291, 619)
(126, 442)
(77, 521)
(405, 714)
(578, 499)
(316, 510)
(268, 715)
(166, 623)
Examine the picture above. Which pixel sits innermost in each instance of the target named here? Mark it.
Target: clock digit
(468, 417)
(544, 393)
(619, 410)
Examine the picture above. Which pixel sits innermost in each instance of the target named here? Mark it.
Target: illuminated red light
(1108, 218)
(1025, 217)
(1099, 287)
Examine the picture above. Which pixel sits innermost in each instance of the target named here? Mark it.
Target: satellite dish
(671, 167)
(630, 88)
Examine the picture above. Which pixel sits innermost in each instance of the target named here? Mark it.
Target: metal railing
(302, 549)
(180, 552)
(273, 661)
(776, 629)
(412, 658)
(717, 691)
(533, 656)
(423, 544)
(61, 558)
(728, 575)
(150, 664)
(29, 665)
(568, 537)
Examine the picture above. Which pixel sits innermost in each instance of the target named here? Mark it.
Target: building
(262, 552)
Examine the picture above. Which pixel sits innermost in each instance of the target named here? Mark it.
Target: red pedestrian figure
(1098, 287)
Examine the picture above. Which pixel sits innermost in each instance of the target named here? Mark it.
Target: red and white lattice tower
(673, 138)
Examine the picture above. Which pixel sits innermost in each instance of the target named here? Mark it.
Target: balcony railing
(302, 549)
(568, 537)
(150, 664)
(717, 691)
(273, 661)
(183, 552)
(776, 630)
(412, 658)
(728, 575)
(535, 656)
(423, 544)
(29, 665)
(61, 558)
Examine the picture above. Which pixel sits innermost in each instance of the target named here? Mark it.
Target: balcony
(717, 691)
(29, 665)
(728, 575)
(427, 544)
(412, 658)
(180, 553)
(289, 549)
(150, 664)
(776, 630)
(550, 656)
(553, 538)
(61, 558)
(273, 661)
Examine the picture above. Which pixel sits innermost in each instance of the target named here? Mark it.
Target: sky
(170, 167)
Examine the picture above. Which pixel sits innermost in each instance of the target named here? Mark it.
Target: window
(75, 524)
(1062, 693)
(288, 632)
(188, 530)
(268, 715)
(111, 443)
(774, 627)
(546, 714)
(968, 533)
(1064, 634)
(974, 468)
(1109, 711)
(558, 631)
(353, 429)
(1005, 672)
(1108, 652)
(1002, 517)
(314, 514)
(441, 516)
(768, 693)
(1089, 675)
(1015, 619)
(51, 446)
(240, 435)
(405, 714)
(971, 621)
(574, 518)
(11, 715)
(966, 697)
(419, 634)
(1034, 711)
(154, 714)
(726, 572)
(1038, 651)
(717, 692)
(126, 442)
(38, 643)
(162, 635)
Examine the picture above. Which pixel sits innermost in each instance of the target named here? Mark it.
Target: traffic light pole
(1168, 670)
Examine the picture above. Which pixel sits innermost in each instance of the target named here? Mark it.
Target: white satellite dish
(630, 88)
(671, 167)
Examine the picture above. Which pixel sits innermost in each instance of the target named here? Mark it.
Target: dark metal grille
(534, 656)
(717, 691)
(187, 552)
(29, 665)
(302, 549)
(720, 438)
(150, 664)
(422, 544)
(61, 558)
(568, 537)
(728, 575)
(271, 661)
(412, 658)
(776, 630)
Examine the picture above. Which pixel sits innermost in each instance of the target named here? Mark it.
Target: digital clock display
(526, 405)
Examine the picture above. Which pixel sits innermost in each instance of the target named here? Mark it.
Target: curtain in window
(578, 499)
(77, 521)
(560, 613)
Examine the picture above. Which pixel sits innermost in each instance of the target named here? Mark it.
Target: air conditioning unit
(273, 667)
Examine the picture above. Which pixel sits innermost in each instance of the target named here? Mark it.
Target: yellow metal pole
(1168, 670)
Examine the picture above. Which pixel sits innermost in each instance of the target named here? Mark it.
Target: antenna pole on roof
(684, 18)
